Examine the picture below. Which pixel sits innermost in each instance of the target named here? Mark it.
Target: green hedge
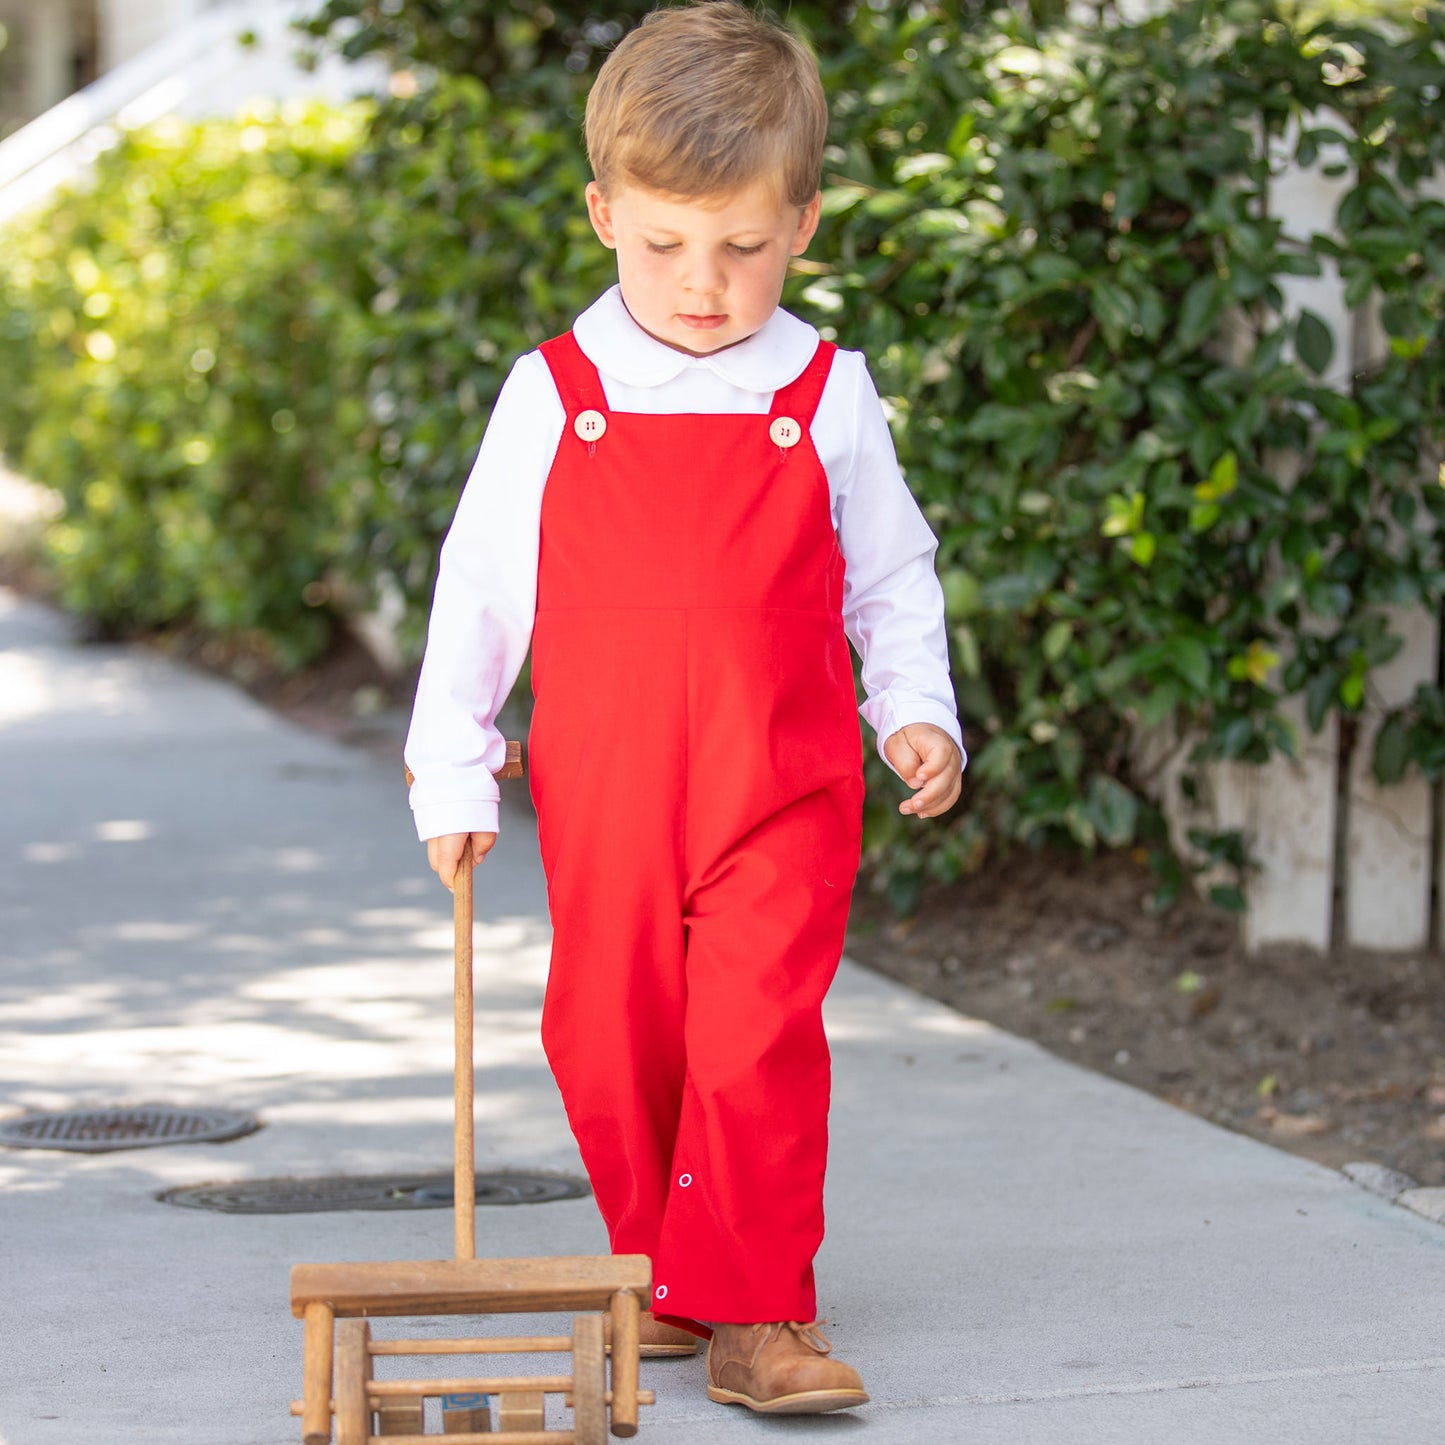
(183, 361)
(1038, 241)
(1035, 235)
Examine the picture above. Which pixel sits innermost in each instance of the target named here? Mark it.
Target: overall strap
(578, 382)
(799, 398)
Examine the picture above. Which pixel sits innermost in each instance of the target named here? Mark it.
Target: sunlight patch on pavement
(298, 860)
(155, 931)
(75, 1001)
(850, 1022)
(25, 689)
(123, 830)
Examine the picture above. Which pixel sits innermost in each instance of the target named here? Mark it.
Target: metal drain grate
(371, 1191)
(96, 1131)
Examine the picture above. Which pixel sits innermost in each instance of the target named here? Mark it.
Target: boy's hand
(445, 853)
(926, 758)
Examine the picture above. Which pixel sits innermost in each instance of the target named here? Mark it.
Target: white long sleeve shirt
(486, 592)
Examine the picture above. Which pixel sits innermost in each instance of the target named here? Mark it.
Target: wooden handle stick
(464, 1178)
(464, 1188)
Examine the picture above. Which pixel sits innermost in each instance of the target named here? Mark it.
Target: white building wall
(37, 61)
(128, 26)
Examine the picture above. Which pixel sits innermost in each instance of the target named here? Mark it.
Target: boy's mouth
(703, 323)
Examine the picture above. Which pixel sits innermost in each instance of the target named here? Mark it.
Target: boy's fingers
(937, 794)
(903, 755)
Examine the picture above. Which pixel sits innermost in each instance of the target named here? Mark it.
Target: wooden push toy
(336, 1301)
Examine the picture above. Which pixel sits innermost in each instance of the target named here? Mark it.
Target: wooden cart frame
(337, 1301)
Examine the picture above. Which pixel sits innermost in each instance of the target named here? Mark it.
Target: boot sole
(806, 1402)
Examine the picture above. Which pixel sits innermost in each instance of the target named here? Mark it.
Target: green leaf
(1158, 703)
(1131, 195)
(1056, 640)
(1224, 476)
(1313, 342)
(841, 198)
(1392, 750)
(929, 163)
(1114, 308)
(961, 592)
(1203, 515)
(1114, 811)
(1190, 659)
(1203, 302)
(1228, 897)
(970, 660)
(1319, 696)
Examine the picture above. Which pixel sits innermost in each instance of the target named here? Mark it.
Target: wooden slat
(493, 1437)
(521, 1412)
(471, 1286)
(353, 1373)
(626, 1313)
(644, 1397)
(316, 1372)
(589, 1374)
(484, 1345)
(463, 1419)
(479, 1385)
(400, 1417)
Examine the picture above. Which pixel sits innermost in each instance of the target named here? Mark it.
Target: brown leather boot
(655, 1340)
(779, 1369)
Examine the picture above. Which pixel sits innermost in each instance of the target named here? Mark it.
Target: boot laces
(810, 1336)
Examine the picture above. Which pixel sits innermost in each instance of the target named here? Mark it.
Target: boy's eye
(750, 250)
(662, 250)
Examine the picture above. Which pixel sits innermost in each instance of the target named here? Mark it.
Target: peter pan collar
(617, 346)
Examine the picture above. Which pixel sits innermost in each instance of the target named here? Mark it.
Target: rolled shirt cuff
(436, 820)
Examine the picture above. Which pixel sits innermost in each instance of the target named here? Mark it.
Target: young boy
(686, 506)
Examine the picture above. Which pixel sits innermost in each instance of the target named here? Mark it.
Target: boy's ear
(600, 214)
(807, 225)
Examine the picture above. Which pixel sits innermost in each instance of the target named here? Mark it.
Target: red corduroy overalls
(696, 765)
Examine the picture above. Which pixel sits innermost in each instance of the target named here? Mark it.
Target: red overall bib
(697, 769)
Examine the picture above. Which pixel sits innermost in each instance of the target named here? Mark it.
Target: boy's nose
(706, 279)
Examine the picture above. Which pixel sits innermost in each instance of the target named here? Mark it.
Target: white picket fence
(1344, 861)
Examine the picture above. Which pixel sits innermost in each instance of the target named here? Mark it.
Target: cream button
(685, 1180)
(785, 432)
(590, 425)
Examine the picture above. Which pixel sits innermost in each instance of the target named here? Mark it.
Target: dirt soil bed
(1339, 1059)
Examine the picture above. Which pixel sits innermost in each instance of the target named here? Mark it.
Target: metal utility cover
(98, 1131)
(371, 1191)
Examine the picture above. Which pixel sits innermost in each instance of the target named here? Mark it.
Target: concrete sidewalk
(202, 905)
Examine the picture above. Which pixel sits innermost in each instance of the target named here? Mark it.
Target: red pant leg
(607, 796)
(744, 1216)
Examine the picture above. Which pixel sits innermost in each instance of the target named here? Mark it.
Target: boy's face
(700, 276)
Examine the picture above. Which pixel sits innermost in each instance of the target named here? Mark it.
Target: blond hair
(706, 98)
